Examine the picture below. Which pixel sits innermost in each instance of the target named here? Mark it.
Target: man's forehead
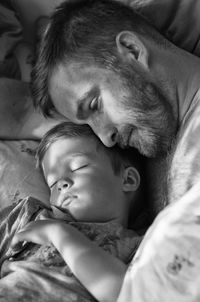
(71, 79)
(68, 89)
(65, 87)
(61, 74)
(76, 72)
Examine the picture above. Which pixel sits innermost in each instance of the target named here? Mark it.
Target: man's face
(121, 107)
(81, 179)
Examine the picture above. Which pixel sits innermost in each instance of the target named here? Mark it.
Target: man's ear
(131, 179)
(130, 47)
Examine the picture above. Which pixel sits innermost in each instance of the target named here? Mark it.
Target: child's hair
(119, 157)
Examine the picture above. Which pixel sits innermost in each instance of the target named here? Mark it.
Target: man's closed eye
(95, 104)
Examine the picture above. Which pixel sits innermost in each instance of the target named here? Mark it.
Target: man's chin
(153, 148)
(146, 150)
(151, 151)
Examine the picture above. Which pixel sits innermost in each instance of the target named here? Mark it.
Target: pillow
(19, 176)
(178, 20)
(10, 36)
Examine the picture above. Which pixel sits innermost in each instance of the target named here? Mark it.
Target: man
(130, 84)
(125, 80)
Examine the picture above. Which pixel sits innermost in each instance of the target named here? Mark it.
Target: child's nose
(64, 184)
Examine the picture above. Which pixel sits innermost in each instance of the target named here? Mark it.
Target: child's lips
(67, 200)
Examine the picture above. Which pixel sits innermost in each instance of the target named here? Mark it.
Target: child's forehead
(68, 151)
(74, 147)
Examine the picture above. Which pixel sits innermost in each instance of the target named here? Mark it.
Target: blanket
(30, 272)
(172, 274)
(10, 36)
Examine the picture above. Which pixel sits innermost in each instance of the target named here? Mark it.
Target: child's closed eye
(80, 167)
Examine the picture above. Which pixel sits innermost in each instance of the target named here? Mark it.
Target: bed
(19, 176)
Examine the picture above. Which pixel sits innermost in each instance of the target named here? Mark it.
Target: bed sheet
(176, 19)
(10, 35)
(19, 176)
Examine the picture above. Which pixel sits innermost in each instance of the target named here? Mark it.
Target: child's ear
(131, 179)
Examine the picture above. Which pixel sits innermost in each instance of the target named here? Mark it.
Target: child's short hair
(119, 157)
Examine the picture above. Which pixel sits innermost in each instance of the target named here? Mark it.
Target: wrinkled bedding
(30, 272)
(18, 174)
(10, 35)
(166, 266)
(172, 274)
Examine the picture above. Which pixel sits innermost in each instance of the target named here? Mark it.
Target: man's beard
(150, 124)
(148, 142)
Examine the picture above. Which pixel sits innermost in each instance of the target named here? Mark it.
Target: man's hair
(83, 31)
(119, 158)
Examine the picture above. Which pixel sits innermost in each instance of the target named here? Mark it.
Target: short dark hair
(81, 30)
(119, 157)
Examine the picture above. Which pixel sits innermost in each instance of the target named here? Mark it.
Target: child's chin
(62, 213)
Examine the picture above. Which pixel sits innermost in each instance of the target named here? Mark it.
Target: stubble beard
(149, 117)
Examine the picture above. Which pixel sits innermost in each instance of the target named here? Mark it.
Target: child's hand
(40, 232)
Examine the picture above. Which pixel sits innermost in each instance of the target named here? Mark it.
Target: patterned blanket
(30, 272)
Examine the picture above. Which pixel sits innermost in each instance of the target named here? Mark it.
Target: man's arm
(18, 118)
(167, 264)
(101, 273)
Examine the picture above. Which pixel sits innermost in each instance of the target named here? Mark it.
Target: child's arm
(101, 273)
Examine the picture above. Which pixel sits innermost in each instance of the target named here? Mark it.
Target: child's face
(82, 180)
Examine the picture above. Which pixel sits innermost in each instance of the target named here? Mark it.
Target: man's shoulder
(185, 160)
(189, 130)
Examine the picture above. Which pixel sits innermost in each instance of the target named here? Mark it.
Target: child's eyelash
(52, 185)
(79, 168)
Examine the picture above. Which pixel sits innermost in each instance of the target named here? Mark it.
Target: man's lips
(124, 138)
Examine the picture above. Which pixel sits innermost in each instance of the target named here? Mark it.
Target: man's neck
(179, 77)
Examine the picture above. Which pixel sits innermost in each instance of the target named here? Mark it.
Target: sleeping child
(79, 248)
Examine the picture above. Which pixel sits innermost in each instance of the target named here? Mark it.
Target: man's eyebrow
(83, 114)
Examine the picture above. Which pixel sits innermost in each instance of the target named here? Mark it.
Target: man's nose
(108, 137)
(64, 184)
